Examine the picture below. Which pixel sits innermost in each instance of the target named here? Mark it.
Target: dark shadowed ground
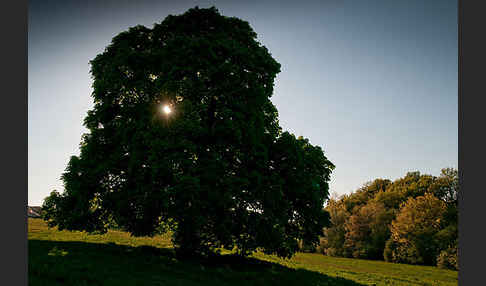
(82, 263)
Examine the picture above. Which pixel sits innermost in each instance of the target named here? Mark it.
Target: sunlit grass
(39, 230)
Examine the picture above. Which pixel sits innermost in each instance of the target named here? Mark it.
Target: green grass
(116, 258)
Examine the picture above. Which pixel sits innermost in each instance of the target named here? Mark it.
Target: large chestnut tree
(183, 137)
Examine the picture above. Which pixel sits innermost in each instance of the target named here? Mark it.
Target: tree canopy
(414, 229)
(412, 220)
(217, 170)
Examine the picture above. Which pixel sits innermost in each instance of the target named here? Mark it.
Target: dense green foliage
(411, 220)
(217, 170)
(117, 258)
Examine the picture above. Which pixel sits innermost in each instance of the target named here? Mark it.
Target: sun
(166, 109)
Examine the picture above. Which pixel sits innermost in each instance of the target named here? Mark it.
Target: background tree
(367, 192)
(414, 230)
(335, 233)
(412, 185)
(447, 186)
(361, 221)
(217, 169)
(367, 231)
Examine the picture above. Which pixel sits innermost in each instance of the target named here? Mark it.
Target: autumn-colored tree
(361, 221)
(414, 229)
(367, 231)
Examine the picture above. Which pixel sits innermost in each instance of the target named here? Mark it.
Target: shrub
(447, 259)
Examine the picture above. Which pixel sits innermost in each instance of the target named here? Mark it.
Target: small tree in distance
(183, 133)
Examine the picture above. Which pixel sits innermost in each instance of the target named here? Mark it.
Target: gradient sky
(374, 83)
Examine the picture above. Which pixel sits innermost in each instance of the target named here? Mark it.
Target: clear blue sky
(374, 83)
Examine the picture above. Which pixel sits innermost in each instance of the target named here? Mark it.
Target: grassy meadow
(116, 258)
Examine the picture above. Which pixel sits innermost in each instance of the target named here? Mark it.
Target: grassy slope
(75, 258)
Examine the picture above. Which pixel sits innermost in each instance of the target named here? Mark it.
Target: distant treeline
(411, 220)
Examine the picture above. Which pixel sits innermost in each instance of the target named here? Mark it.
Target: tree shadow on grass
(82, 263)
